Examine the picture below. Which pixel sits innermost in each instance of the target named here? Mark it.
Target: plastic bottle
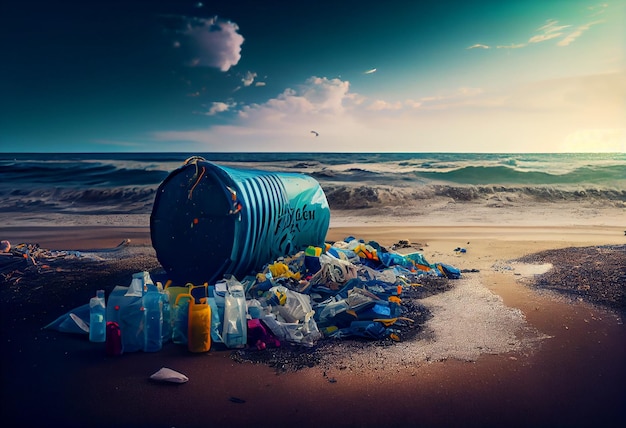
(235, 328)
(114, 344)
(153, 320)
(216, 322)
(97, 317)
(180, 319)
(167, 317)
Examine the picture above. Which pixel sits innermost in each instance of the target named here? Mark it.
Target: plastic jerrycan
(199, 320)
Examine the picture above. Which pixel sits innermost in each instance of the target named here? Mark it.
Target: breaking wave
(126, 182)
(360, 197)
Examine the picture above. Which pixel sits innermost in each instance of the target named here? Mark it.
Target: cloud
(478, 46)
(541, 116)
(549, 31)
(598, 9)
(219, 107)
(576, 33)
(544, 37)
(512, 46)
(248, 79)
(318, 95)
(212, 42)
(379, 105)
(382, 105)
(551, 27)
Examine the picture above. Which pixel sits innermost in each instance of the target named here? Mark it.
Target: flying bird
(373, 70)
(316, 133)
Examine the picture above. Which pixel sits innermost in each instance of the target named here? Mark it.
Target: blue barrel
(209, 220)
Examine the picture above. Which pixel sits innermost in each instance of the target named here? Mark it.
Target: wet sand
(571, 372)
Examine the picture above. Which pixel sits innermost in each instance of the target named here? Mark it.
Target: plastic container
(167, 317)
(208, 220)
(114, 345)
(180, 319)
(235, 326)
(152, 303)
(199, 331)
(216, 320)
(97, 318)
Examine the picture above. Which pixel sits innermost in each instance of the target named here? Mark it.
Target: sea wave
(506, 174)
(351, 196)
(360, 197)
(126, 183)
(119, 200)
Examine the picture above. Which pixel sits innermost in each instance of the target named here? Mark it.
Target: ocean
(125, 183)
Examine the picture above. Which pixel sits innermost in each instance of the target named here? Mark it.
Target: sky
(308, 76)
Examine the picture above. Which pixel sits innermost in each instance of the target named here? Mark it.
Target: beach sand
(498, 351)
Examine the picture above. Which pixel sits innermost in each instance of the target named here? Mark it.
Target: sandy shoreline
(536, 359)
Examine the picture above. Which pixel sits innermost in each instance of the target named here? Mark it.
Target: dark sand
(574, 378)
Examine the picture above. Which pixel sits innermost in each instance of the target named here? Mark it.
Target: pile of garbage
(17, 261)
(347, 289)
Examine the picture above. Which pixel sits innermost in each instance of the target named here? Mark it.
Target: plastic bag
(75, 321)
(333, 272)
(291, 305)
(168, 375)
(127, 311)
(304, 333)
(139, 283)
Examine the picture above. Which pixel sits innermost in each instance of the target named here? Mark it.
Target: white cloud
(248, 79)
(542, 116)
(219, 107)
(318, 95)
(379, 105)
(598, 9)
(544, 37)
(512, 46)
(549, 31)
(412, 104)
(576, 33)
(551, 27)
(478, 46)
(210, 42)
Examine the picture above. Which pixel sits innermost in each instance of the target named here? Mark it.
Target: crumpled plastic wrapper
(169, 375)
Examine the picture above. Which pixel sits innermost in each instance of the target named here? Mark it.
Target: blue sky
(399, 76)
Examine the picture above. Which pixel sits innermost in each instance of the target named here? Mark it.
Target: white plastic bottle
(97, 318)
(235, 328)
